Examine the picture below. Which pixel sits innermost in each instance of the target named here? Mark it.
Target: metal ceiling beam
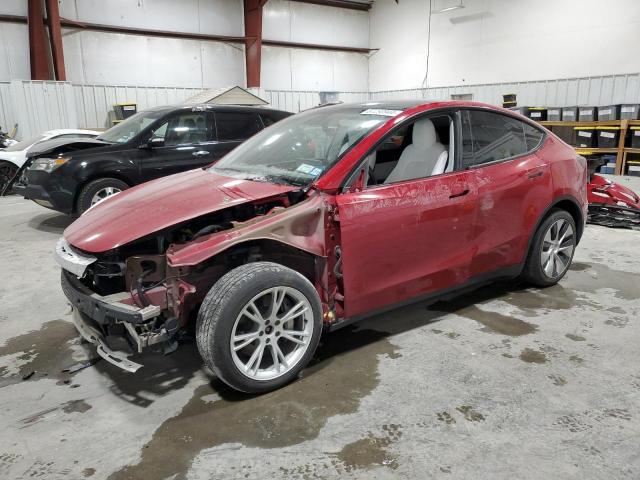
(349, 4)
(55, 37)
(313, 46)
(66, 23)
(38, 53)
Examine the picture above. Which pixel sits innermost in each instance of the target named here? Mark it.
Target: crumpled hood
(153, 206)
(57, 146)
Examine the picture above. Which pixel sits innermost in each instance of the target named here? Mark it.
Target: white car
(13, 157)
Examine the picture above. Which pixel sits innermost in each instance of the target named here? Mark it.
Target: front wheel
(97, 190)
(552, 250)
(259, 326)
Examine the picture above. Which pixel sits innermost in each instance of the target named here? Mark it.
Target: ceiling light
(448, 9)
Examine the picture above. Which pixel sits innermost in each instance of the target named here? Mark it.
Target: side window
(184, 128)
(237, 125)
(532, 137)
(76, 135)
(266, 120)
(489, 137)
(419, 149)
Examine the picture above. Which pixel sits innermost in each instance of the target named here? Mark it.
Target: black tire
(534, 270)
(8, 170)
(92, 188)
(223, 304)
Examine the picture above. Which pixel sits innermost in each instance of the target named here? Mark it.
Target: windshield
(132, 126)
(300, 148)
(24, 144)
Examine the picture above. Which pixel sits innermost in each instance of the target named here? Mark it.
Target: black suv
(72, 175)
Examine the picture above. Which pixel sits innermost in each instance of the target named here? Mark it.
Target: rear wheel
(552, 250)
(97, 190)
(258, 326)
(7, 171)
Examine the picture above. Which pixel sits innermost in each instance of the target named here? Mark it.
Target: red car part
(612, 204)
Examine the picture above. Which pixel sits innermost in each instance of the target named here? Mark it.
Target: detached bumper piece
(90, 334)
(95, 316)
(614, 216)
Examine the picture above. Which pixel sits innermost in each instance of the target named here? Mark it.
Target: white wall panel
(13, 7)
(219, 17)
(308, 23)
(317, 70)
(495, 41)
(14, 51)
(111, 58)
(275, 69)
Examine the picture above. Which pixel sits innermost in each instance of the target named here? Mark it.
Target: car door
(514, 186)
(184, 141)
(234, 127)
(405, 239)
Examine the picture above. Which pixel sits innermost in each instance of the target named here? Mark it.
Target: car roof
(215, 107)
(67, 131)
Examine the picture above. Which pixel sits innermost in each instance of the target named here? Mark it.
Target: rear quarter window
(490, 137)
(237, 125)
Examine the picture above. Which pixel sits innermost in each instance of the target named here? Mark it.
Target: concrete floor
(502, 383)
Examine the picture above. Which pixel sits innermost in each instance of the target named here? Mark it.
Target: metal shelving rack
(621, 152)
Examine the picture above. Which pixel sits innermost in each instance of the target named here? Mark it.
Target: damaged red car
(320, 220)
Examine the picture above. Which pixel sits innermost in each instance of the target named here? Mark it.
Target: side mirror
(153, 142)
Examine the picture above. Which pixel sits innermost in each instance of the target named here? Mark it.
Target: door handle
(461, 194)
(537, 174)
(201, 153)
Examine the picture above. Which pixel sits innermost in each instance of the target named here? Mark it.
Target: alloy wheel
(104, 193)
(272, 333)
(557, 248)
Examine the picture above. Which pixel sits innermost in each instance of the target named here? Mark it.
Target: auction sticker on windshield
(381, 111)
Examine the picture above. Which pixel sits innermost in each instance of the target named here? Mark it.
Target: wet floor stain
(599, 276)
(79, 406)
(451, 335)
(575, 338)
(576, 359)
(470, 414)
(617, 321)
(533, 356)
(342, 374)
(366, 453)
(558, 380)
(579, 267)
(42, 353)
(493, 322)
(72, 406)
(371, 451)
(445, 417)
(532, 302)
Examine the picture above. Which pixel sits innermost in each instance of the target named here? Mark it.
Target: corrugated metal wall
(607, 90)
(37, 106)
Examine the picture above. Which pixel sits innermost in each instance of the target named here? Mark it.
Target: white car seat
(424, 157)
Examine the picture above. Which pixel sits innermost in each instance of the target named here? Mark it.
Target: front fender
(301, 226)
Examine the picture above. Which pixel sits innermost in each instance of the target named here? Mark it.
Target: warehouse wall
(298, 69)
(97, 57)
(118, 59)
(14, 42)
(496, 41)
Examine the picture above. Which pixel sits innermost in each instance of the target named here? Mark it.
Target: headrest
(424, 133)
